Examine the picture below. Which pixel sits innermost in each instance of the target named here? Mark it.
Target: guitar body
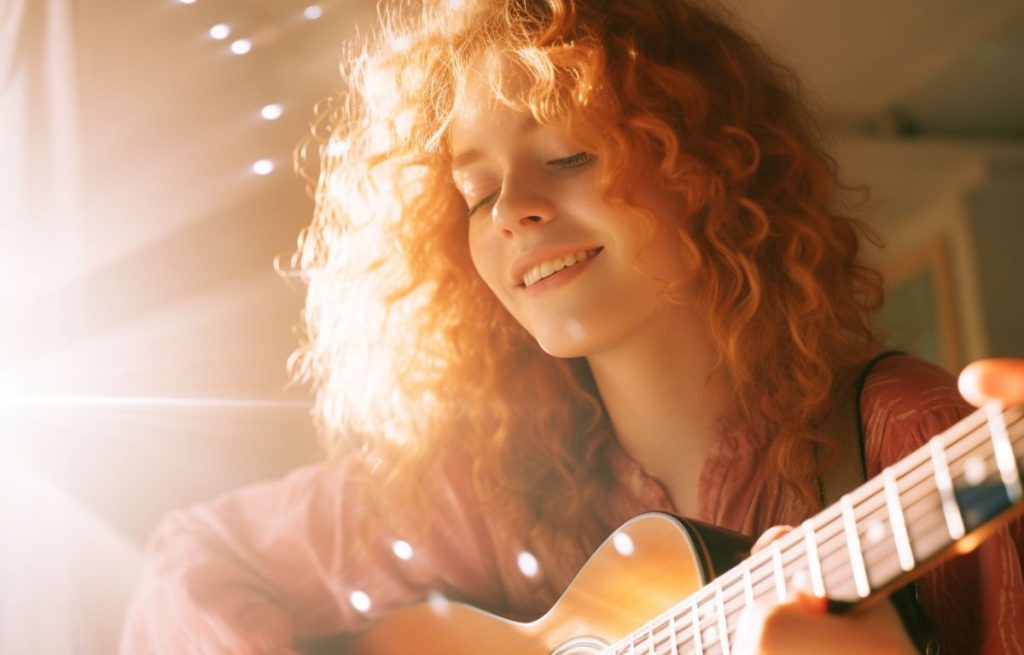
(649, 564)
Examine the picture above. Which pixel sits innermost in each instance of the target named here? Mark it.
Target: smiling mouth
(548, 268)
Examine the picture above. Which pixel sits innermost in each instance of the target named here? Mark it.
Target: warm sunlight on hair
(403, 338)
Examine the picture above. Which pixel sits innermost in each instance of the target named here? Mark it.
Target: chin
(566, 343)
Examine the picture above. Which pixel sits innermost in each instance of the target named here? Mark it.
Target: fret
(673, 640)
(944, 483)
(813, 563)
(748, 587)
(723, 625)
(1006, 461)
(780, 577)
(878, 536)
(698, 649)
(897, 524)
(860, 576)
(924, 517)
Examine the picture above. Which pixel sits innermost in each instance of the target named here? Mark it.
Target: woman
(571, 261)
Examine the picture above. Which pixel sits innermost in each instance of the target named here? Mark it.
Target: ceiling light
(263, 167)
(312, 12)
(241, 46)
(271, 112)
(220, 31)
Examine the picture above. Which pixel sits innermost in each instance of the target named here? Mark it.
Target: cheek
(483, 255)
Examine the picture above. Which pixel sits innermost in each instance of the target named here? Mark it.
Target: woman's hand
(993, 379)
(801, 624)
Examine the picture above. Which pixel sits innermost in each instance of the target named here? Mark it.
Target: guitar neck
(942, 499)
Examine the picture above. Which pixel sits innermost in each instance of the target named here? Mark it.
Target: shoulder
(904, 402)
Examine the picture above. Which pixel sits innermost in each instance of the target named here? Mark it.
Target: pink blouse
(256, 569)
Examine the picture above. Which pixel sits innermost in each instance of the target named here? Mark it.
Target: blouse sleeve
(976, 601)
(260, 568)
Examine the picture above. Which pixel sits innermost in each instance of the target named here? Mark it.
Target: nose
(521, 205)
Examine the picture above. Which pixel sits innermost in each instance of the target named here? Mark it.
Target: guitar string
(938, 528)
(921, 503)
(961, 451)
(831, 539)
(660, 624)
(932, 536)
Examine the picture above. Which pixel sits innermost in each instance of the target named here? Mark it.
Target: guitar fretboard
(941, 496)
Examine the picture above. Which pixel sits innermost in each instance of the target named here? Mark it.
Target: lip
(527, 261)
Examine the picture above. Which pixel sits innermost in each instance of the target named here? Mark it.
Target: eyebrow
(467, 157)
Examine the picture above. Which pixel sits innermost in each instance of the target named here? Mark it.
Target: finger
(771, 534)
(773, 624)
(991, 379)
(802, 624)
(810, 603)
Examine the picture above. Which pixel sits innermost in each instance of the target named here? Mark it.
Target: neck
(662, 403)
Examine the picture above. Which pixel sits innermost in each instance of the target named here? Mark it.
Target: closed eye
(578, 160)
(574, 161)
(483, 202)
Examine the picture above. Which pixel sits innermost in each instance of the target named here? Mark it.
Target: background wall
(144, 332)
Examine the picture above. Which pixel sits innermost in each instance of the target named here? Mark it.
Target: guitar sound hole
(581, 646)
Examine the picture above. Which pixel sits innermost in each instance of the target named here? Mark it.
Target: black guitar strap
(846, 425)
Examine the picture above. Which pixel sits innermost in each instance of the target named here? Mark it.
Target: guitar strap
(845, 424)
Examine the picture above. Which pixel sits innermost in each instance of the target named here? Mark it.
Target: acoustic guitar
(666, 586)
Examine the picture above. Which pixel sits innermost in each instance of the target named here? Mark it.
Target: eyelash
(486, 199)
(573, 161)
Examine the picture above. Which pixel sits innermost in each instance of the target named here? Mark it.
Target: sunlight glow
(62, 563)
(623, 544)
(438, 603)
(360, 600)
(66, 400)
(528, 564)
(402, 549)
(337, 147)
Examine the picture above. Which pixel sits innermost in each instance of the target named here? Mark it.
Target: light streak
(68, 400)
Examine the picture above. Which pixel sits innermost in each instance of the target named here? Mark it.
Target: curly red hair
(417, 364)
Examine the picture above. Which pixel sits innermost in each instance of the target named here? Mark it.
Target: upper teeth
(552, 266)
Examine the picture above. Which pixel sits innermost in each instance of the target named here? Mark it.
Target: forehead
(479, 112)
(488, 99)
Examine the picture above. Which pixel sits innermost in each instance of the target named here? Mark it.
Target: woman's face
(565, 263)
